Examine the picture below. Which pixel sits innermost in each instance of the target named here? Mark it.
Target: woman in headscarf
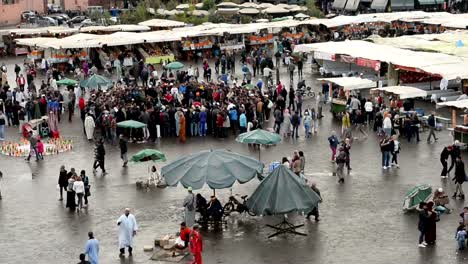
(431, 224)
(286, 125)
(182, 129)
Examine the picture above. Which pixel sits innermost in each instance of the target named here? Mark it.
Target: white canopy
(183, 6)
(301, 15)
(227, 4)
(249, 5)
(461, 104)
(249, 11)
(78, 41)
(403, 92)
(351, 83)
(276, 10)
(162, 23)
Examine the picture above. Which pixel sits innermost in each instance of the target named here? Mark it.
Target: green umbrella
(218, 169)
(147, 155)
(131, 124)
(249, 86)
(259, 136)
(280, 193)
(95, 81)
(415, 195)
(174, 65)
(67, 82)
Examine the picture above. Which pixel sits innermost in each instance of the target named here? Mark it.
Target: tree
(209, 4)
(312, 9)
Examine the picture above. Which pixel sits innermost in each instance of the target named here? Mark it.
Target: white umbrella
(262, 20)
(301, 15)
(200, 13)
(249, 11)
(285, 6)
(199, 6)
(227, 10)
(265, 5)
(295, 9)
(183, 6)
(249, 5)
(276, 10)
(227, 5)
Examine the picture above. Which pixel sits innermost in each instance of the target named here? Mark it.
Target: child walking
(460, 237)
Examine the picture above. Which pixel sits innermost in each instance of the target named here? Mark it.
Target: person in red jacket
(219, 125)
(196, 245)
(21, 82)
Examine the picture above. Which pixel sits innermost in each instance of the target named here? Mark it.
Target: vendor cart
(340, 89)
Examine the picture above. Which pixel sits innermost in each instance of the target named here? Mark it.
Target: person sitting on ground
(441, 199)
(182, 240)
(83, 259)
(215, 209)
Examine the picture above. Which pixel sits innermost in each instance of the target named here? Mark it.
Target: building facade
(73, 5)
(10, 10)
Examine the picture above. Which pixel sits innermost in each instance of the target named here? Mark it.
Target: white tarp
(450, 67)
(351, 83)
(403, 92)
(461, 104)
(162, 23)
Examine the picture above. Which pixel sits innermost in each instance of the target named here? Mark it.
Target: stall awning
(379, 5)
(402, 4)
(352, 5)
(430, 2)
(351, 83)
(403, 92)
(461, 104)
(339, 4)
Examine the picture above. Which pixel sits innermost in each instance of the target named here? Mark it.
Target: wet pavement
(361, 221)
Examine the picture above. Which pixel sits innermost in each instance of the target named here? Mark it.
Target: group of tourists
(76, 187)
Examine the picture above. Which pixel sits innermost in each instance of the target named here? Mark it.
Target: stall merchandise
(21, 148)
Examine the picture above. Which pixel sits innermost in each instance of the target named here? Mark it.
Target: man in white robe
(89, 126)
(190, 205)
(127, 230)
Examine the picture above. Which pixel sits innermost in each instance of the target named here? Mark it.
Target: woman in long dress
(431, 225)
(286, 125)
(71, 202)
(182, 130)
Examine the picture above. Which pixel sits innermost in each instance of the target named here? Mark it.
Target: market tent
(78, 41)
(351, 83)
(121, 39)
(34, 42)
(200, 13)
(127, 28)
(162, 23)
(218, 169)
(265, 5)
(403, 92)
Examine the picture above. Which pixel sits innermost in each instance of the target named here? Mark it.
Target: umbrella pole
(214, 192)
(259, 151)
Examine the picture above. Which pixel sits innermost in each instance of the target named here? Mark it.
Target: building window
(8, 2)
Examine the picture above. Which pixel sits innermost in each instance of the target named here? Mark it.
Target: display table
(159, 59)
(337, 106)
(21, 149)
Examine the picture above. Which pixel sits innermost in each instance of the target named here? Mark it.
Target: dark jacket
(63, 179)
(123, 146)
(431, 121)
(459, 172)
(444, 155)
(423, 218)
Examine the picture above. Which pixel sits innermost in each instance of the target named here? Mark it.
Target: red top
(81, 103)
(184, 233)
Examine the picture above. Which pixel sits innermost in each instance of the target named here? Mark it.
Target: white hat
(440, 190)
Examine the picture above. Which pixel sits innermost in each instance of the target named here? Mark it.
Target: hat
(189, 189)
(440, 190)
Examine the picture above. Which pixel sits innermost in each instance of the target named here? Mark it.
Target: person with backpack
(340, 162)
(190, 208)
(333, 141)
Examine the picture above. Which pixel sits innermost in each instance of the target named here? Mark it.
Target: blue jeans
(461, 244)
(388, 131)
(2, 132)
(386, 158)
(307, 130)
(421, 237)
(194, 128)
(203, 128)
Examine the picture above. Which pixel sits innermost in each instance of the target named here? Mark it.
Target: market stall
(341, 88)
(460, 132)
